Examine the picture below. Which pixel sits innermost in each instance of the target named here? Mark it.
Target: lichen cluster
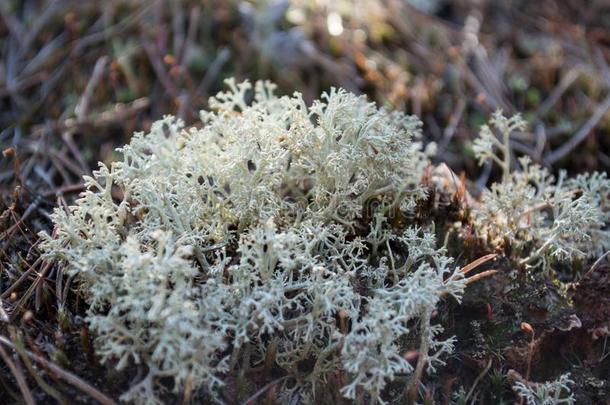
(540, 218)
(548, 393)
(269, 237)
(281, 237)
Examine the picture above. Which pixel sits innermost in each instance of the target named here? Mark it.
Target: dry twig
(63, 374)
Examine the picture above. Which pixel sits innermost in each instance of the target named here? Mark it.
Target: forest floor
(77, 78)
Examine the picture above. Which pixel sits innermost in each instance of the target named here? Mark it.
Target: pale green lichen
(539, 217)
(278, 235)
(263, 235)
(549, 393)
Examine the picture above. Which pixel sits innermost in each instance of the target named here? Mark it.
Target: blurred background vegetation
(77, 78)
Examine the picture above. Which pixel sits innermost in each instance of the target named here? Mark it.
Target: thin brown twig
(29, 210)
(65, 189)
(580, 136)
(12, 23)
(213, 71)
(564, 84)
(480, 276)
(159, 69)
(20, 349)
(67, 162)
(82, 108)
(23, 84)
(59, 167)
(263, 389)
(5, 386)
(66, 136)
(119, 113)
(34, 28)
(64, 375)
(477, 380)
(410, 393)
(111, 31)
(597, 263)
(23, 386)
(21, 279)
(193, 26)
(454, 121)
(33, 287)
(476, 263)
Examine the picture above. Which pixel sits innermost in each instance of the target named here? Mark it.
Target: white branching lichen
(541, 218)
(262, 236)
(549, 393)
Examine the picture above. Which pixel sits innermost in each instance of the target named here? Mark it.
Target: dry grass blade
(19, 348)
(557, 92)
(33, 287)
(478, 262)
(596, 264)
(477, 380)
(69, 188)
(480, 276)
(21, 279)
(23, 387)
(261, 391)
(580, 136)
(83, 105)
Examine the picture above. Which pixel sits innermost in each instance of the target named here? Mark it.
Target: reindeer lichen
(263, 237)
(549, 393)
(539, 217)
